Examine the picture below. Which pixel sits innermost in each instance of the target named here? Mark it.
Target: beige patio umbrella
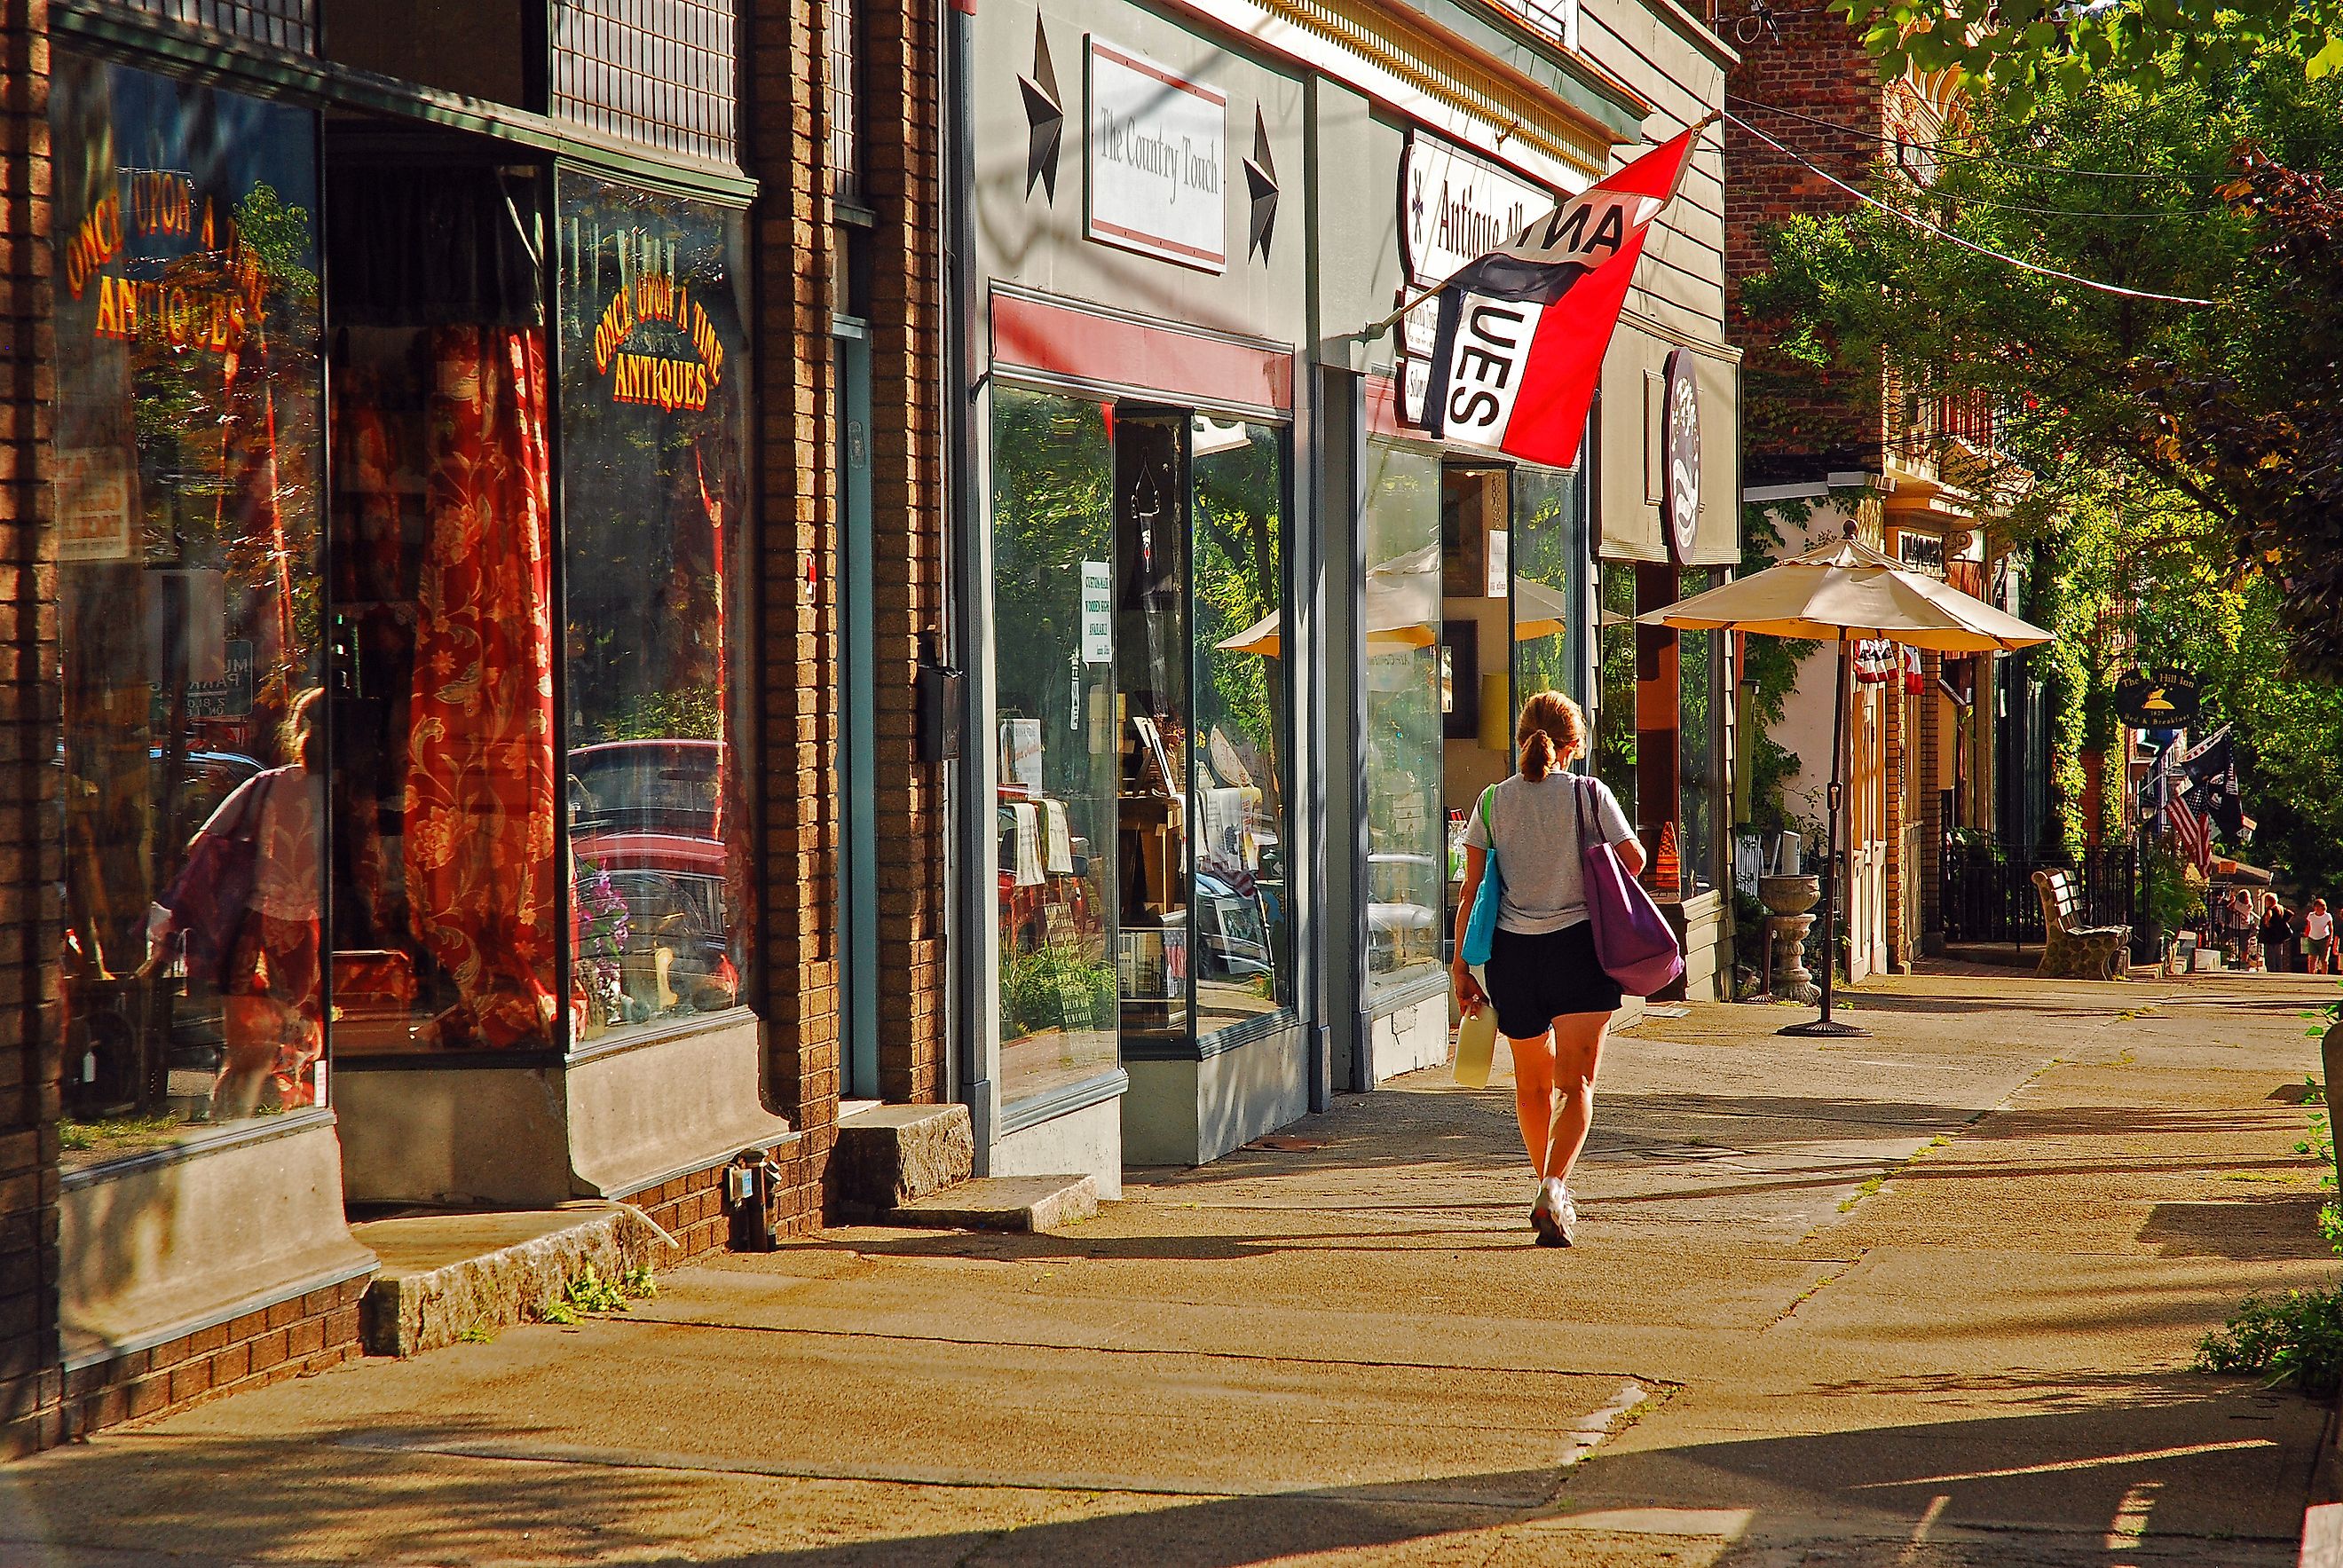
(1401, 611)
(1841, 592)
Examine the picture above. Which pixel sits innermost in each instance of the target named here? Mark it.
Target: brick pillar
(785, 75)
(900, 182)
(31, 867)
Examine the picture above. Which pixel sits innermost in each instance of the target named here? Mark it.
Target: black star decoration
(1045, 117)
(1260, 180)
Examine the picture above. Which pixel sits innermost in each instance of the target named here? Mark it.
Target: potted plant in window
(603, 933)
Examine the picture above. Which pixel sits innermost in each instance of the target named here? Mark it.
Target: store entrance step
(889, 1155)
(448, 1274)
(1002, 1203)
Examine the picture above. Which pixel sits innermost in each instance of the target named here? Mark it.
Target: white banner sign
(1158, 148)
(1098, 613)
(1456, 207)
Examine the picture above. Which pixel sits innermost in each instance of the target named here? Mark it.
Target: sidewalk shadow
(2212, 1460)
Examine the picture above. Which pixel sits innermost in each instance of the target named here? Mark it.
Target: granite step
(447, 1274)
(1002, 1203)
(889, 1155)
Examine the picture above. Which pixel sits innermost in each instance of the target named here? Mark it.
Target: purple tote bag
(1632, 941)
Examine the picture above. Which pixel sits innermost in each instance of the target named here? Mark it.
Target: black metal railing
(1986, 893)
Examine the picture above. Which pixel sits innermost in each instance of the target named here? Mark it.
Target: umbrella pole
(1827, 1025)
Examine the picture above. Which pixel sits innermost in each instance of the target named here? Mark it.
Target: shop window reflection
(1403, 755)
(1700, 738)
(1242, 915)
(1614, 715)
(1054, 593)
(444, 884)
(1549, 543)
(187, 426)
(658, 678)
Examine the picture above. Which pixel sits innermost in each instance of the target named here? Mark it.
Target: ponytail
(1552, 732)
(1537, 755)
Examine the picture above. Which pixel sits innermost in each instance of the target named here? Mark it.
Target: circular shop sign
(1680, 454)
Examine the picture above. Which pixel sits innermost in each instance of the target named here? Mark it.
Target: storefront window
(444, 891)
(1698, 731)
(1549, 543)
(658, 680)
(1615, 714)
(1057, 720)
(1242, 909)
(1403, 756)
(187, 469)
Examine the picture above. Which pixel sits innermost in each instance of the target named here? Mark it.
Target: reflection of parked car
(646, 786)
(1235, 935)
(645, 813)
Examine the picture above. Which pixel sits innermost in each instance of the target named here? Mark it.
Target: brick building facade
(1853, 447)
(762, 152)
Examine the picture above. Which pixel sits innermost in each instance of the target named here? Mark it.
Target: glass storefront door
(1141, 716)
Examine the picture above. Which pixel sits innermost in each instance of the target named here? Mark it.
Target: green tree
(2232, 407)
(2026, 49)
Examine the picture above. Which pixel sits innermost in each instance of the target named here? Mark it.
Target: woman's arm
(1469, 994)
(1630, 851)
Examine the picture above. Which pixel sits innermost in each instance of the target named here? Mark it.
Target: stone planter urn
(1789, 900)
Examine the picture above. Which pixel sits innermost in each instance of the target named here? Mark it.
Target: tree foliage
(2021, 50)
(2176, 469)
(2232, 407)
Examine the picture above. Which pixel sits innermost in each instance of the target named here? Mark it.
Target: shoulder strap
(1578, 800)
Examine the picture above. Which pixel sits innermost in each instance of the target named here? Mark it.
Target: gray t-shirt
(1538, 850)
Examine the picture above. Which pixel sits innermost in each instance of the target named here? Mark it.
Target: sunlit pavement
(1925, 1299)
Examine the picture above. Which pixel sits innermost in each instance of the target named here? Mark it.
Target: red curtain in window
(480, 876)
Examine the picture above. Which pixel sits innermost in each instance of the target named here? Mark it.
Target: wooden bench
(2070, 950)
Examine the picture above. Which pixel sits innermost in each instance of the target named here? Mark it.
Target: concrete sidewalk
(1927, 1299)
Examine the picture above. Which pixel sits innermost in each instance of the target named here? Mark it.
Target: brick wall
(900, 182)
(1797, 419)
(690, 1208)
(785, 81)
(31, 1390)
(290, 1338)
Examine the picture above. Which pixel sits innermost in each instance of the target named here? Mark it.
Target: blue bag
(1481, 930)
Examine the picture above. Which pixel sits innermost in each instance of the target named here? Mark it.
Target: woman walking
(1552, 999)
(2318, 937)
(2278, 933)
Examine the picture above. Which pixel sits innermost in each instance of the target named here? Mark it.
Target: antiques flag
(2212, 769)
(1522, 329)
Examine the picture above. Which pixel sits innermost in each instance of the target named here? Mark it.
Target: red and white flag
(2191, 833)
(1523, 330)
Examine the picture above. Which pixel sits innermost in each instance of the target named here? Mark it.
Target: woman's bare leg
(1533, 1095)
(1577, 1056)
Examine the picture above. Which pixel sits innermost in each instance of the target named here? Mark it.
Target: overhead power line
(1939, 150)
(1925, 227)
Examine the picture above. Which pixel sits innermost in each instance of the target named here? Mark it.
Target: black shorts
(1535, 979)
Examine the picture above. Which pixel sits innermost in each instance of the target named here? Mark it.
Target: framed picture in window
(1460, 679)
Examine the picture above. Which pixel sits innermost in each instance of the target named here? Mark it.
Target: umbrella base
(1825, 1029)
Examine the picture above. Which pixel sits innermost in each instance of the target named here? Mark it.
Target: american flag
(2191, 833)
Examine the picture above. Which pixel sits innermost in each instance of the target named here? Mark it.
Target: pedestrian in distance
(1552, 998)
(2277, 934)
(2318, 937)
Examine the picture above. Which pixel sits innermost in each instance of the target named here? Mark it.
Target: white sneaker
(1546, 1216)
(1564, 1211)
